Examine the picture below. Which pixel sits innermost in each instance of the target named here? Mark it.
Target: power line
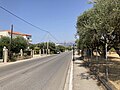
(43, 37)
(53, 36)
(28, 22)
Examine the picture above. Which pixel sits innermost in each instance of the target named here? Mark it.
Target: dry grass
(114, 67)
(115, 57)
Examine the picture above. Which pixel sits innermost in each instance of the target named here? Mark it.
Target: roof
(16, 33)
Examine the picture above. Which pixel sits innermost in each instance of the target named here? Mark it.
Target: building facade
(7, 33)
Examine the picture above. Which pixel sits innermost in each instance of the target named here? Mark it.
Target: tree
(60, 48)
(101, 20)
(51, 46)
(4, 41)
(19, 43)
(32, 46)
(69, 48)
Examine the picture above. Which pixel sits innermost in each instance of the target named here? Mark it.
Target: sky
(56, 16)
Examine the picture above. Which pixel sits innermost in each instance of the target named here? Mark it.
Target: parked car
(58, 52)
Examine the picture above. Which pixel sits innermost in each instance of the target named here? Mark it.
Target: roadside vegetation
(19, 43)
(100, 25)
(99, 30)
(13, 48)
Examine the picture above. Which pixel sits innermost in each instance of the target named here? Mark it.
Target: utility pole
(48, 44)
(73, 52)
(47, 47)
(11, 36)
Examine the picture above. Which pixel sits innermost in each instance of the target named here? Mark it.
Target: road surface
(47, 73)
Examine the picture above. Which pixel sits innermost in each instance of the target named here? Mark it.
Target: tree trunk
(82, 53)
(103, 54)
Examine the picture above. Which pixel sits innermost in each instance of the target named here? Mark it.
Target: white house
(7, 33)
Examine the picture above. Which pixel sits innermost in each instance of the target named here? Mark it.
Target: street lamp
(73, 52)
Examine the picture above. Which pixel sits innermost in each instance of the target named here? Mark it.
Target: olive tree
(103, 20)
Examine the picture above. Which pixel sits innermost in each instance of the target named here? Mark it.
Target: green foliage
(60, 48)
(101, 20)
(69, 48)
(51, 45)
(43, 45)
(4, 41)
(32, 46)
(112, 50)
(19, 43)
(53, 48)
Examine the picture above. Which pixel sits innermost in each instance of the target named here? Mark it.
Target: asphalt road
(47, 73)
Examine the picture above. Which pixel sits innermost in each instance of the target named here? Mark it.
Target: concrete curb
(69, 78)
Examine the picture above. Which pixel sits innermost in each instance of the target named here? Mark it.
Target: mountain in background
(66, 44)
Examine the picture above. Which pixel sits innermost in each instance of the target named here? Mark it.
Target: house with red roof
(7, 33)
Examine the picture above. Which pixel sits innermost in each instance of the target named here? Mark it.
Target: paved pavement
(8, 63)
(81, 79)
(47, 73)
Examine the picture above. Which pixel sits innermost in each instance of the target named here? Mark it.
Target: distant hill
(66, 44)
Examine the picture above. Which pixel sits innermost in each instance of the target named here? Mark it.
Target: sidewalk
(81, 79)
